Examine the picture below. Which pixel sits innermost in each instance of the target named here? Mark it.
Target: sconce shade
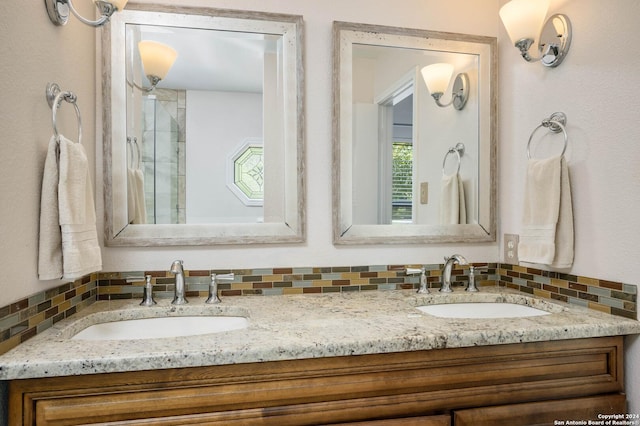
(437, 77)
(523, 19)
(157, 58)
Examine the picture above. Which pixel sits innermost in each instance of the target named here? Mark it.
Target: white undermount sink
(162, 327)
(481, 310)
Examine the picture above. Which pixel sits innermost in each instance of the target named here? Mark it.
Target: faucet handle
(147, 296)
(213, 286)
(472, 277)
(423, 278)
(223, 277)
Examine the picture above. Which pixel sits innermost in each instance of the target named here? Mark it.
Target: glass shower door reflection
(161, 153)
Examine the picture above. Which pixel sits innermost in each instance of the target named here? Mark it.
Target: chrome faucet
(178, 271)
(446, 272)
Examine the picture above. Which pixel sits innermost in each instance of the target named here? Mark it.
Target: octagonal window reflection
(248, 173)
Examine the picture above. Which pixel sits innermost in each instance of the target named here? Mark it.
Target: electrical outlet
(511, 248)
(424, 192)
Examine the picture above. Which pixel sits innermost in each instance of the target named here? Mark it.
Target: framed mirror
(203, 145)
(412, 166)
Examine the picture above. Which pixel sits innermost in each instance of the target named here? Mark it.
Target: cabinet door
(542, 413)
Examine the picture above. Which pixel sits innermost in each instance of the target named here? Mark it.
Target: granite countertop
(297, 327)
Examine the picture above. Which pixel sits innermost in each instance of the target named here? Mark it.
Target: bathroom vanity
(327, 359)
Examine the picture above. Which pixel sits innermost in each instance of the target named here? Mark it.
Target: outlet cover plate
(511, 248)
(424, 192)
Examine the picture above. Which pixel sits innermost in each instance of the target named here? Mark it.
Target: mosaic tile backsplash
(24, 319)
(606, 296)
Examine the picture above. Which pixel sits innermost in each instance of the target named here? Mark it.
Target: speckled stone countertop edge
(299, 327)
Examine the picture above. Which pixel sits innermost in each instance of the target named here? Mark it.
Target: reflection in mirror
(201, 115)
(413, 165)
(389, 93)
(212, 152)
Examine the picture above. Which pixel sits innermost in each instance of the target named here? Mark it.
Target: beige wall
(597, 87)
(34, 52)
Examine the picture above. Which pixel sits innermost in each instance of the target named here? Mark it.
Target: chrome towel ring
(458, 150)
(55, 96)
(556, 124)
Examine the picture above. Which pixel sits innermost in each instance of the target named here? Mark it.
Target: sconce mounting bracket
(555, 40)
(460, 91)
(58, 11)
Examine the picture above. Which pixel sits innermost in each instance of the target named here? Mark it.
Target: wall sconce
(437, 78)
(157, 60)
(523, 20)
(58, 11)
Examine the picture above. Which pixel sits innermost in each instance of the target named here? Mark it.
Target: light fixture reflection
(157, 59)
(437, 78)
(525, 23)
(58, 11)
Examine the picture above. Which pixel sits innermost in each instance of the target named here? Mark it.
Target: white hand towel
(131, 195)
(462, 204)
(73, 184)
(80, 249)
(68, 246)
(140, 208)
(50, 238)
(564, 230)
(547, 228)
(453, 209)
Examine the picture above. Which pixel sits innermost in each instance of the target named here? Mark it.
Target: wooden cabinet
(436, 384)
(437, 420)
(542, 413)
